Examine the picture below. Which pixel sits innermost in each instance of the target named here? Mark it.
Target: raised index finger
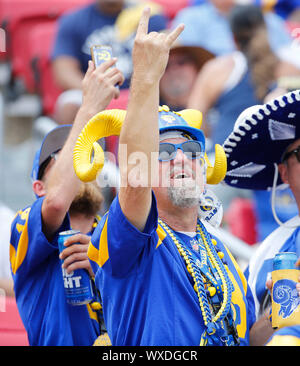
(144, 22)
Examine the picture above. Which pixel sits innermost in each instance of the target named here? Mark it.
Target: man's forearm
(63, 183)
(140, 129)
(67, 73)
(98, 88)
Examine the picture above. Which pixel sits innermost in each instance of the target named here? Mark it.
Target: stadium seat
(171, 7)
(12, 331)
(241, 220)
(41, 72)
(18, 16)
(21, 54)
(11, 11)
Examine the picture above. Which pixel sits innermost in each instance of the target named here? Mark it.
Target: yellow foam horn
(103, 124)
(215, 174)
(192, 116)
(108, 123)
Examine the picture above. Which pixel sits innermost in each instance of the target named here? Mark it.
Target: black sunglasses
(290, 153)
(44, 165)
(192, 149)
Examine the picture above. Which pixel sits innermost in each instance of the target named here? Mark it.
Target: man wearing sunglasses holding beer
(165, 280)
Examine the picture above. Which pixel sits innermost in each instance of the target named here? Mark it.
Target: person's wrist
(87, 112)
(145, 78)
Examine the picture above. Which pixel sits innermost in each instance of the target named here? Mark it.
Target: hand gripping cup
(77, 284)
(285, 299)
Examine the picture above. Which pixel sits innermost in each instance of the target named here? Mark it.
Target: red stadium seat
(171, 7)
(20, 48)
(12, 331)
(41, 71)
(18, 16)
(241, 220)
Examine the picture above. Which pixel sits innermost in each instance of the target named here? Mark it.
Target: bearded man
(161, 274)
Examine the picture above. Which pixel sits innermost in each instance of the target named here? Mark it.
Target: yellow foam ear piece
(192, 116)
(108, 123)
(103, 124)
(215, 174)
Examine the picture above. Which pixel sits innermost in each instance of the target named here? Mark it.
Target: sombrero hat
(260, 136)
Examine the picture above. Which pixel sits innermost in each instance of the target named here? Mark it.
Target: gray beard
(184, 197)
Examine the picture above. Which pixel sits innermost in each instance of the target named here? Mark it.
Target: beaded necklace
(215, 303)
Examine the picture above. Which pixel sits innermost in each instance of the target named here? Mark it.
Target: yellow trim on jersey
(92, 313)
(284, 340)
(18, 255)
(238, 269)
(101, 255)
(92, 253)
(237, 297)
(161, 235)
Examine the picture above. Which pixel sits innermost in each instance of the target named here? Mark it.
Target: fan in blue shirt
(164, 279)
(62, 203)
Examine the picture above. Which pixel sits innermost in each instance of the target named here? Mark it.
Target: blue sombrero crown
(260, 136)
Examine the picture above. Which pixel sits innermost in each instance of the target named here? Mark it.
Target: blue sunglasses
(192, 149)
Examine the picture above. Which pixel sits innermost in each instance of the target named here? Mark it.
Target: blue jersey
(87, 26)
(148, 295)
(38, 285)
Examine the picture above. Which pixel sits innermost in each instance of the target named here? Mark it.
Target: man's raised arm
(140, 134)
(98, 89)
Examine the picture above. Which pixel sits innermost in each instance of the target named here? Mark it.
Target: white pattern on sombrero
(260, 136)
(247, 170)
(281, 131)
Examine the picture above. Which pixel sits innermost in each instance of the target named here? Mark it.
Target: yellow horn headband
(109, 123)
(103, 124)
